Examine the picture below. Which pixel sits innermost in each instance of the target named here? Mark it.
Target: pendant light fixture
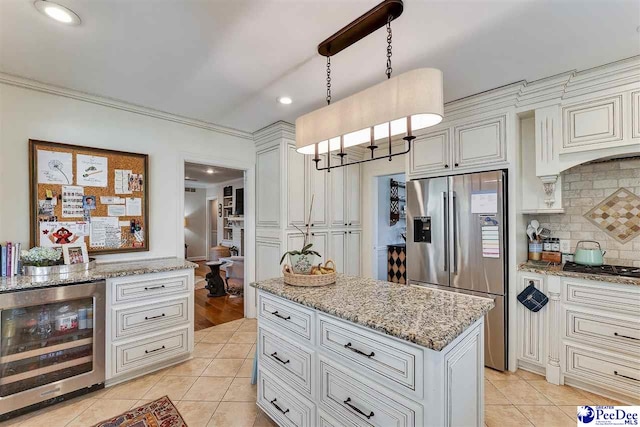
(397, 106)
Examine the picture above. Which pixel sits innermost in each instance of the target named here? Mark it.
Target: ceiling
(226, 62)
(200, 178)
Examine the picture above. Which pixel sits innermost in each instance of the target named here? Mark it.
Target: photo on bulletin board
(91, 196)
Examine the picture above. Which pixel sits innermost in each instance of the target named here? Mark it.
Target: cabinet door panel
(268, 188)
(318, 188)
(430, 153)
(296, 188)
(531, 339)
(338, 249)
(481, 142)
(337, 195)
(353, 262)
(593, 122)
(353, 195)
(320, 244)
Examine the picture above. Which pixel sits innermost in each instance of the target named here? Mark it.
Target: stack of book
(10, 264)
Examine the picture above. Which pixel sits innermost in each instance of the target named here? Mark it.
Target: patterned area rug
(159, 413)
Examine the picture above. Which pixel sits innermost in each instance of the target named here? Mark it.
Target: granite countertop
(428, 317)
(556, 270)
(100, 272)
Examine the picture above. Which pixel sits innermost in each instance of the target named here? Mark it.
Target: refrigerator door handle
(455, 232)
(445, 216)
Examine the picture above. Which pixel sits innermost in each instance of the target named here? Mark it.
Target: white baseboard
(197, 258)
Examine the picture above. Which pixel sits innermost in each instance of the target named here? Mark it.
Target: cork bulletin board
(88, 194)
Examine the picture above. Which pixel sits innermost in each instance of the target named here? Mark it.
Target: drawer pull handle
(355, 350)
(275, 356)
(625, 376)
(153, 287)
(153, 351)
(626, 336)
(346, 402)
(273, 402)
(275, 313)
(154, 317)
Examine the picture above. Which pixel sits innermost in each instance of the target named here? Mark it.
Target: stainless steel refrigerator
(456, 241)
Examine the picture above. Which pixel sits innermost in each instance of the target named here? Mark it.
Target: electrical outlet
(565, 246)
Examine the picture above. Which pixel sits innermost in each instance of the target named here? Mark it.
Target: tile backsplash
(583, 188)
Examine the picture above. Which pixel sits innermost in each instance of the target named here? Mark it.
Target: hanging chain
(389, 69)
(328, 80)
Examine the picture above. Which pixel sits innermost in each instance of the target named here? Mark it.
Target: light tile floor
(526, 399)
(213, 389)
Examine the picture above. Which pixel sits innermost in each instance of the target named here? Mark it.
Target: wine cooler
(52, 343)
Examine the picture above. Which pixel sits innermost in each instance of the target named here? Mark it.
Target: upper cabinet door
(337, 177)
(268, 188)
(635, 114)
(296, 188)
(320, 242)
(318, 189)
(430, 153)
(480, 142)
(353, 195)
(590, 124)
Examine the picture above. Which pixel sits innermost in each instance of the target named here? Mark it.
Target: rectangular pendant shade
(416, 94)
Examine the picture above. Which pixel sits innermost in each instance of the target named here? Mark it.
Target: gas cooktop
(606, 270)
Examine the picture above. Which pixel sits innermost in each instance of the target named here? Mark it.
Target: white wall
(195, 230)
(69, 118)
(369, 172)
(217, 192)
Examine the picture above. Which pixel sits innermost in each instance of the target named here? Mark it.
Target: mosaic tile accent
(618, 215)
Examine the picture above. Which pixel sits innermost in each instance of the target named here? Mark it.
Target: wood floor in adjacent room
(212, 311)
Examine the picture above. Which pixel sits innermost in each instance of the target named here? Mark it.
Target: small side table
(215, 284)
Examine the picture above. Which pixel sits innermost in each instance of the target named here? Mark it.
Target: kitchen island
(368, 352)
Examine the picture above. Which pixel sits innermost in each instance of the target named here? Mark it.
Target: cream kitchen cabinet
(470, 144)
(431, 153)
(149, 323)
(345, 194)
(346, 251)
(592, 124)
(286, 181)
(317, 183)
(531, 342)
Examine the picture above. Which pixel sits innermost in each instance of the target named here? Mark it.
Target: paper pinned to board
(105, 232)
(91, 170)
(116, 210)
(484, 202)
(55, 167)
(122, 181)
(111, 200)
(134, 206)
(72, 197)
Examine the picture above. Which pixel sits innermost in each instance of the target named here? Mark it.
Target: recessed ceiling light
(210, 171)
(285, 100)
(57, 12)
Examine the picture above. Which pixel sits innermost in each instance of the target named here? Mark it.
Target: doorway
(390, 228)
(214, 232)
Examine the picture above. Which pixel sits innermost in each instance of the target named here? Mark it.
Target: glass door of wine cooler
(51, 343)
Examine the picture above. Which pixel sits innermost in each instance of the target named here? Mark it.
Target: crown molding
(37, 86)
(609, 76)
(493, 99)
(275, 132)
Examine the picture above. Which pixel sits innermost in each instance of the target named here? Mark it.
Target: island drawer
(622, 299)
(149, 317)
(605, 369)
(606, 331)
(282, 404)
(128, 289)
(144, 352)
(290, 362)
(285, 316)
(394, 363)
(364, 403)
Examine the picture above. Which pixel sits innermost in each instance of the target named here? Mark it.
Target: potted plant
(41, 257)
(302, 260)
